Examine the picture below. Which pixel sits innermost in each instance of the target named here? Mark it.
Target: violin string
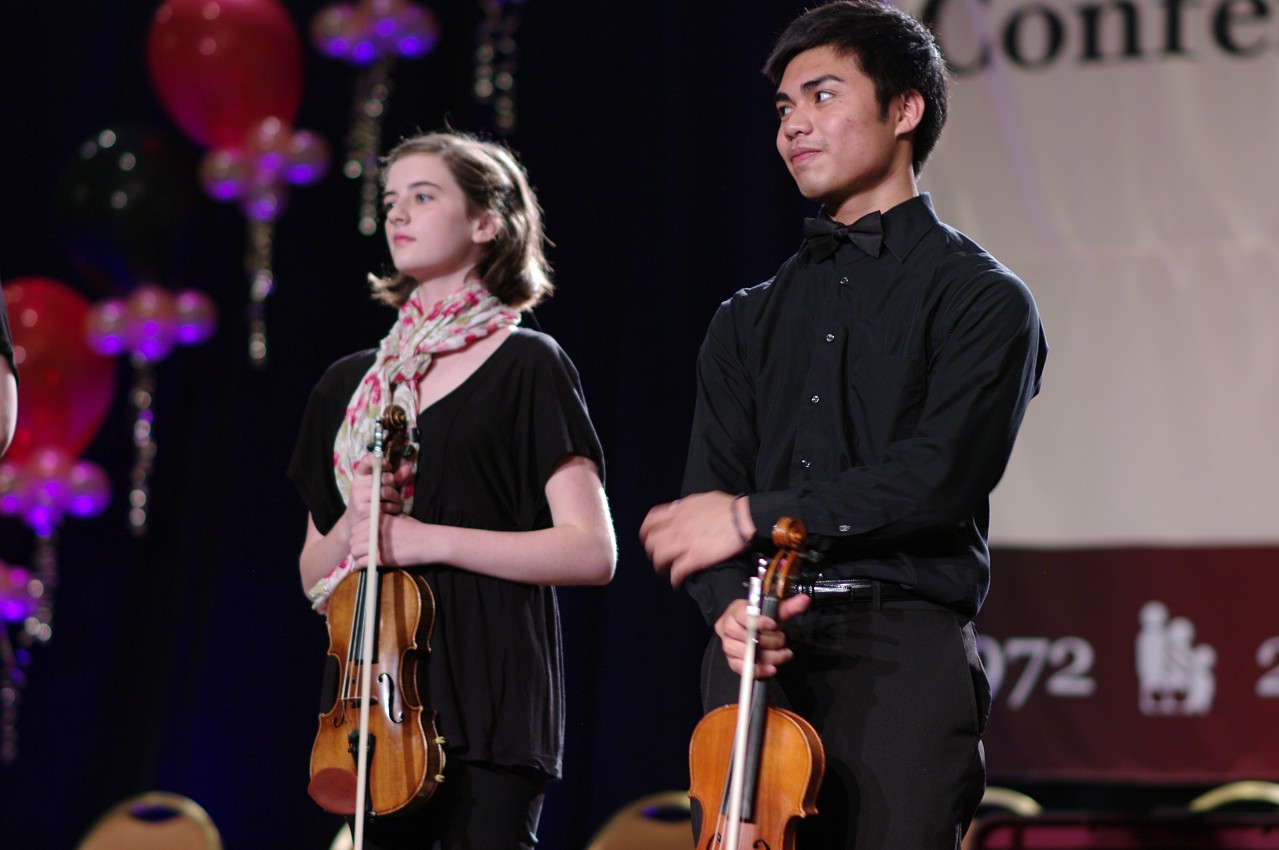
(355, 648)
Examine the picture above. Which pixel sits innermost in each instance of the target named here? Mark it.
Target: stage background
(1132, 195)
(1129, 629)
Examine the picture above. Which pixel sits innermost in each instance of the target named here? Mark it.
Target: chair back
(154, 820)
(1245, 794)
(998, 799)
(658, 821)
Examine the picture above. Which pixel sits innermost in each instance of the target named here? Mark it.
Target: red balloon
(220, 67)
(64, 387)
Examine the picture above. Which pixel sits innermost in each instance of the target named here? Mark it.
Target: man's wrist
(738, 525)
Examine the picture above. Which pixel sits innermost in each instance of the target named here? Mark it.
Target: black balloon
(126, 202)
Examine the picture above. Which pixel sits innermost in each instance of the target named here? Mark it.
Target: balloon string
(39, 626)
(497, 62)
(372, 90)
(262, 284)
(11, 679)
(142, 395)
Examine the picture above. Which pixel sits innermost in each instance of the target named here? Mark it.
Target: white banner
(1120, 158)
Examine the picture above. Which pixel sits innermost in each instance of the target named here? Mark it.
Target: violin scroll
(394, 425)
(789, 533)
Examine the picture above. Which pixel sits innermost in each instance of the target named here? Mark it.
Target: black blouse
(495, 674)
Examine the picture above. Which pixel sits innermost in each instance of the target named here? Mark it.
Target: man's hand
(770, 647)
(694, 533)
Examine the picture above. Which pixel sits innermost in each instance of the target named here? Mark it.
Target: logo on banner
(1174, 675)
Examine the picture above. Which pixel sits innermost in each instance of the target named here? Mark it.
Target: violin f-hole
(386, 684)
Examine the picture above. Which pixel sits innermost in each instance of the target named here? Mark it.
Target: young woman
(503, 498)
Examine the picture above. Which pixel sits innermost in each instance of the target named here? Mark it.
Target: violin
(378, 752)
(759, 796)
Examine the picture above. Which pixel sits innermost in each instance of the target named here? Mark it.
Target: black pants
(477, 807)
(900, 700)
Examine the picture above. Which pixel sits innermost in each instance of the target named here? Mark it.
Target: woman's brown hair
(513, 264)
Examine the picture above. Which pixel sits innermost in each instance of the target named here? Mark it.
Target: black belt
(839, 591)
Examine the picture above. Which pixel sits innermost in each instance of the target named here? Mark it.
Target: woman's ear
(485, 228)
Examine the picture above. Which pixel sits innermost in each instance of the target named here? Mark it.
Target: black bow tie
(823, 235)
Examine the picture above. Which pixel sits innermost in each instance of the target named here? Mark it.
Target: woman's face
(428, 230)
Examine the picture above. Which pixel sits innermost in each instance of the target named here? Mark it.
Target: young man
(872, 389)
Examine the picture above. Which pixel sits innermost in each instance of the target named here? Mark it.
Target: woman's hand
(323, 552)
(391, 508)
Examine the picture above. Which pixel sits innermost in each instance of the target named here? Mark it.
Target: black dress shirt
(875, 399)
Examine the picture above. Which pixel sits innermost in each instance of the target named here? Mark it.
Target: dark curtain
(188, 660)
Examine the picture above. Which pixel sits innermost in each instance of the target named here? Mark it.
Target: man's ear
(910, 111)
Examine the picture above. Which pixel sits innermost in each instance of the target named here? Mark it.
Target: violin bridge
(354, 702)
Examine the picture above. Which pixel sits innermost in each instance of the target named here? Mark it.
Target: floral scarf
(403, 358)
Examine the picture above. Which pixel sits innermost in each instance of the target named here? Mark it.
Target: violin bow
(370, 619)
(745, 692)
(789, 535)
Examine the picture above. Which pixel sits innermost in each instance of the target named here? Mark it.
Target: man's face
(831, 132)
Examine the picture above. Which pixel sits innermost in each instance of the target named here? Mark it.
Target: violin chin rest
(334, 790)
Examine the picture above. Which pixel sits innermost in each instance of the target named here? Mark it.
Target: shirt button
(815, 399)
(845, 528)
(830, 337)
(843, 281)
(805, 462)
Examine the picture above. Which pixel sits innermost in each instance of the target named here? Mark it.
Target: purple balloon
(13, 490)
(16, 601)
(417, 32)
(106, 327)
(197, 317)
(264, 203)
(89, 490)
(224, 174)
(308, 158)
(150, 323)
